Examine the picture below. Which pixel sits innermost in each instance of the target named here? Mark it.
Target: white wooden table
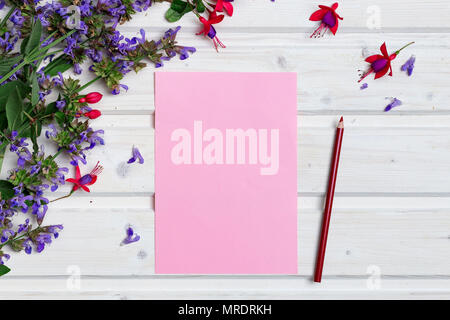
(390, 230)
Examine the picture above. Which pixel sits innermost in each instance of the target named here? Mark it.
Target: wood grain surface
(390, 229)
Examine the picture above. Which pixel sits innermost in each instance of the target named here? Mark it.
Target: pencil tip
(342, 119)
(341, 123)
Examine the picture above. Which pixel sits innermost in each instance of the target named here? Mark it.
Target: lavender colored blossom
(60, 104)
(4, 257)
(136, 155)
(394, 103)
(117, 90)
(112, 56)
(131, 237)
(408, 66)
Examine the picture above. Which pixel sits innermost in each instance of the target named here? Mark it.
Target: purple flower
(58, 81)
(364, 86)
(131, 237)
(6, 233)
(53, 133)
(41, 240)
(23, 227)
(4, 256)
(55, 229)
(394, 103)
(136, 155)
(77, 69)
(116, 90)
(60, 104)
(408, 66)
(24, 156)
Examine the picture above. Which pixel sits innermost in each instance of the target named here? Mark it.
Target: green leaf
(180, 6)
(200, 6)
(14, 110)
(6, 65)
(8, 88)
(35, 132)
(10, 61)
(6, 189)
(34, 89)
(177, 9)
(60, 64)
(51, 108)
(60, 118)
(172, 15)
(33, 40)
(3, 121)
(4, 270)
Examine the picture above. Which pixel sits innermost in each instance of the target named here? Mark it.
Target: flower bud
(92, 97)
(93, 114)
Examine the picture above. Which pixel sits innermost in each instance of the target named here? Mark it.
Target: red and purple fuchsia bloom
(225, 5)
(86, 180)
(328, 18)
(209, 30)
(381, 63)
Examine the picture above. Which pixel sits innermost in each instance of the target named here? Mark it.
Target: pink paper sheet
(225, 208)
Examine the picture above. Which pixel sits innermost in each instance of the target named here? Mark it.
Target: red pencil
(329, 201)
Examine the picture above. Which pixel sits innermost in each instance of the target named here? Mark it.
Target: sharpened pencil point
(341, 123)
(342, 119)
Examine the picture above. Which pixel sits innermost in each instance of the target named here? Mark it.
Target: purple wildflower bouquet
(39, 41)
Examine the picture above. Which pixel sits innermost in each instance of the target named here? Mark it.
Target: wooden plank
(394, 235)
(378, 156)
(327, 71)
(377, 15)
(225, 287)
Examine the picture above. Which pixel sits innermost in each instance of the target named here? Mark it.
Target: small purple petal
(130, 239)
(364, 86)
(408, 66)
(394, 103)
(136, 155)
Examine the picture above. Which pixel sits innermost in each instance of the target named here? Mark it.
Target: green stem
(13, 71)
(57, 154)
(28, 116)
(398, 51)
(2, 155)
(5, 19)
(36, 55)
(18, 238)
(63, 197)
(54, 43)
(88, 84)
(47, 54)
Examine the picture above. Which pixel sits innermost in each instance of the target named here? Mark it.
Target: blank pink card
(225, 173)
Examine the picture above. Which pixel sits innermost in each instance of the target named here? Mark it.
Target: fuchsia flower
(86, 180)
(93, 114)
(381, 63)
(225, 5)
(328, 18)
(92, 97)
(209, 30)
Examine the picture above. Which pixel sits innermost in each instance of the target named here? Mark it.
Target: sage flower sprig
(39, 42)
